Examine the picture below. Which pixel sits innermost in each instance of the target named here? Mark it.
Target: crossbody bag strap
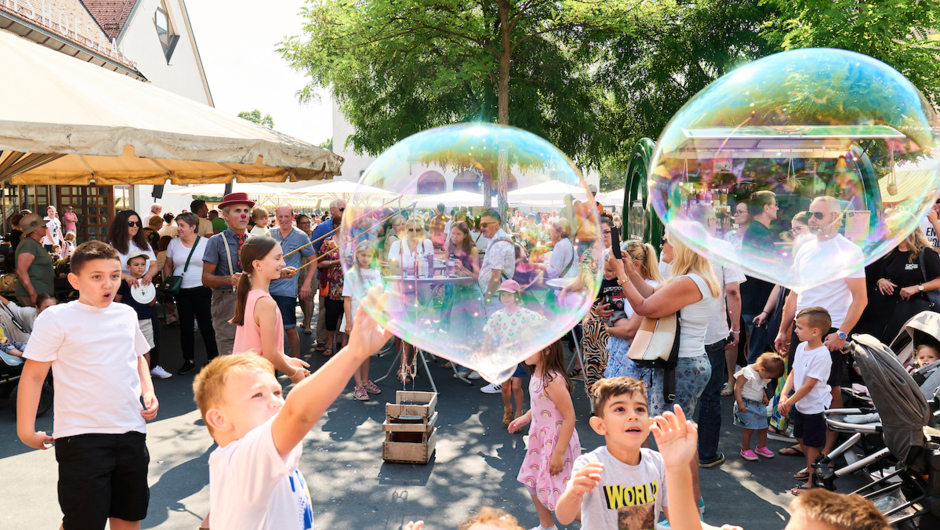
(923, 264)
(191, 251)
(570, 263)
(14, 320)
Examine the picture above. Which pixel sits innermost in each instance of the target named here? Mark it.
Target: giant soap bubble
(831, 151)
(419, 224)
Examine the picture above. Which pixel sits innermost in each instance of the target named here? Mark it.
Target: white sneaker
(158, 371)
(462, 373)
(474, 375)
(492, 388)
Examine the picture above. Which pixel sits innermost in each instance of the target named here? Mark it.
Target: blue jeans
(709, 412)
(758, 338)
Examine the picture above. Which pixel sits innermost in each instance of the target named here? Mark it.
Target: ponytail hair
(256, 248)
(646, 255)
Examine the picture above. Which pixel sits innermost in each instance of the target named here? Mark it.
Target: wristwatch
(920, 287)
(842, 335)
(622, 282)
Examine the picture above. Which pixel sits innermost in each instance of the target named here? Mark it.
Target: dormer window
(165, 30)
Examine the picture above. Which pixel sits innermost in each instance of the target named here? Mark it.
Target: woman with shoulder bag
(194, 300)
(692, 291)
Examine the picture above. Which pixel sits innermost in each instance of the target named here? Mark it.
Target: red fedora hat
(236, 198)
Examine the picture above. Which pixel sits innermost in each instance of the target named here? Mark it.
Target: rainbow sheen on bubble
(444, 274)
(783, 133)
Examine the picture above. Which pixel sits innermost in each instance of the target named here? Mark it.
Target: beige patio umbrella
(64, 121)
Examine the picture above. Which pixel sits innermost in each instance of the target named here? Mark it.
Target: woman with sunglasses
(127, 235)
(404, 257)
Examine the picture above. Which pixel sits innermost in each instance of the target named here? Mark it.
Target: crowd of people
(243, 276)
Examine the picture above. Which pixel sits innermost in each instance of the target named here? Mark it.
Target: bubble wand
(333, 231)
(318, 258)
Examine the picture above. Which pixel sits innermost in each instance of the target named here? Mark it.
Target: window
(165, 30)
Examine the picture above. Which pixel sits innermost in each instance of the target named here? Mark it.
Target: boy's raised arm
(310, 398)
(584, 481)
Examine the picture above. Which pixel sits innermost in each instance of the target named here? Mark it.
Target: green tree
(398, 67)
(255, 116)
(900, 33)
(327, 144)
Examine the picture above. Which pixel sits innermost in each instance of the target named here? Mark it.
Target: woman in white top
(742, 218)
(693, 291)
(127, 235)
(194, 301)
(403, 258)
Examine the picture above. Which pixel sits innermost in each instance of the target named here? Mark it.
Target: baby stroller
(911, 445)
(11, 367)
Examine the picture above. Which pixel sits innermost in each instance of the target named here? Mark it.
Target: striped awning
(898, 187)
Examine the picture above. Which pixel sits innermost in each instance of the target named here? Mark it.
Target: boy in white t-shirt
(811, 367)
(95, 350)
(254, 482)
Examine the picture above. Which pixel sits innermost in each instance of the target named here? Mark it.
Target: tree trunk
(502, 93)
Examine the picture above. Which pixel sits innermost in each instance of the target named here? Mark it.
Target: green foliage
(900, 33)
(398, 67)
(327, 144)
(255, 116)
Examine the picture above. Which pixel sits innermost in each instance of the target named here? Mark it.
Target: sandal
(327, 352)
(793, 450)
(802, 475)
(727, 390)
(575, 373)
(403, 376)
(797, 491)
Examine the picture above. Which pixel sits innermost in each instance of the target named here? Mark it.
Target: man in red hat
(222, 267)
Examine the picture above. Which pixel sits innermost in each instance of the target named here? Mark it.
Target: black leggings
(195, 305)
(334, 312)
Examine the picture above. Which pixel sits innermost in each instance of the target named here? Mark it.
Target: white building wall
(183, 75)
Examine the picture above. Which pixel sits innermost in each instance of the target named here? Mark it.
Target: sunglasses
(341, 209)
(134, 223)
(415, 230)
(818, 215)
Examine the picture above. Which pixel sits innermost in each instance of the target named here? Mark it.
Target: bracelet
(735, 332)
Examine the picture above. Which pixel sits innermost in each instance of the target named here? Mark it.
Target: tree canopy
(255, 116)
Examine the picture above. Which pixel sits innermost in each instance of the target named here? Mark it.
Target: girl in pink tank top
(260, 329)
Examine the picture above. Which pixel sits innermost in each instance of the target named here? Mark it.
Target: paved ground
(475, 465)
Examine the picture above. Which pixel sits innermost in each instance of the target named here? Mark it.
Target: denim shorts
(692, 375)
(754, 417)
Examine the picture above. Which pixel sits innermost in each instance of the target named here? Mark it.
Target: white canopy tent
(65, 121)
(611, 198)
(344, 189)
(451, 199)
(551, 191)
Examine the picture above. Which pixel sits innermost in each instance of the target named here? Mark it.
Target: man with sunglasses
(337, 207)
(499, 260)
(844, 298)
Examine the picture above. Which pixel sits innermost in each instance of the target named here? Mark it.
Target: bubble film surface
(830, 153)
(445, 217)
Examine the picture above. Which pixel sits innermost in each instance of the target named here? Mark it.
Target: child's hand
(368, 336)
(556, 464)
(288, 272)
(414, 525)
(586, 479)
(783, 407)
(518, 423)
(151, 405)
(38, 440)
(765, 401)
(676, 437)
(301, 373)
(741, 407)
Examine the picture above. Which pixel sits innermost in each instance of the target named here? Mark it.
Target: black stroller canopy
(898, 399)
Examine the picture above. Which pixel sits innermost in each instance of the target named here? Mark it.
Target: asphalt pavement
(475, 464)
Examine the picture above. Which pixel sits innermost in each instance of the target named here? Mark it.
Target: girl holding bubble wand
(362, 276)
(553, 441)
(256, 314)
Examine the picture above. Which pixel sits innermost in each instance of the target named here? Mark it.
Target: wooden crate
(410, 434)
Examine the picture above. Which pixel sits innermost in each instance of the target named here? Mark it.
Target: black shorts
(811, 428)
(334, 312)
(102, 476)
(838, 360)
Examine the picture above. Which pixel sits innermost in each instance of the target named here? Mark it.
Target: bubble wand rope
(333, 231)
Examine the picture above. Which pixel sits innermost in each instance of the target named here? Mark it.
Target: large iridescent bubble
(821, 146)
(445, 217)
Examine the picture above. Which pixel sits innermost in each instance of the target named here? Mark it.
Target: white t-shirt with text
(252, 488)
(833, 296)
(930, 232)
(628, 497)
(815, 363)
(94, 354)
